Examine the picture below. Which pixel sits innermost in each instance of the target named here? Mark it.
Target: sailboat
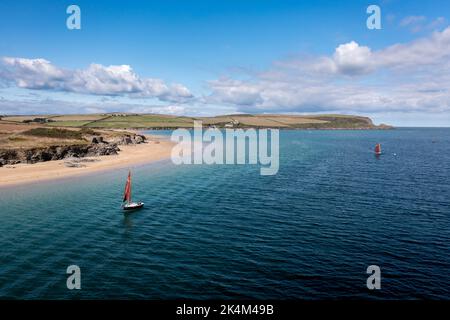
(378, 149)
(130, 205)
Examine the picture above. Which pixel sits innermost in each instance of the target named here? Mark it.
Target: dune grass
(54, 133)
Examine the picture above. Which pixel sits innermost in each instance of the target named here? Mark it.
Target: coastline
(377, 128)
(129, 155)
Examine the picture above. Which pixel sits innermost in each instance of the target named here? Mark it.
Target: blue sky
(213, 57)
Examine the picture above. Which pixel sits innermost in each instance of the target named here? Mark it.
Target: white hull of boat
(133, 206)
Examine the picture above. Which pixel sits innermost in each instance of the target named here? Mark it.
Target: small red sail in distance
(127, 193)
(378, 148)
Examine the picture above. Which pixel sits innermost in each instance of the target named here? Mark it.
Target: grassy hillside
(18, 135)
(46, 130)
(152, 121)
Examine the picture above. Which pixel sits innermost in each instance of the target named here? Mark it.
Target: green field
(154, 121)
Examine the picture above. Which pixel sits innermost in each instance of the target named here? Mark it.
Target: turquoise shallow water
(226, 232)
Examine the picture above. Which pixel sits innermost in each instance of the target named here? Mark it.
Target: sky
(228, 56)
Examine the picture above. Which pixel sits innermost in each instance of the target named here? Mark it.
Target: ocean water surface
(308, 232)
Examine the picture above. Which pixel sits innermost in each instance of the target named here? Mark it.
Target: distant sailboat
(378, 149)
(129, 205)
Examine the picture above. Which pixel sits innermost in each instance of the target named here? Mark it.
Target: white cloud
(31, 73)
(39, 105)
(351, 58)
(431, 51)
(406, 77)
(421, 23)
(168, 109)
(412, 20)
(96, 79)
(235, 92)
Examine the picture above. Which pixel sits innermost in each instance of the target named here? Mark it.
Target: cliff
(81, 144)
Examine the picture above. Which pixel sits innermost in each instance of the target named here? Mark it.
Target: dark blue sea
(309, 232)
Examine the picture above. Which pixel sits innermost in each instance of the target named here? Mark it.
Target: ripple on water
(226, 232)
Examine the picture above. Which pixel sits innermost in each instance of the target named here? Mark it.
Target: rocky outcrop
(124, 139)
(99, 145)
(34, 155)
(97, 139)
(128, 139)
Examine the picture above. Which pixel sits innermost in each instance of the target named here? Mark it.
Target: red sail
(378, 149)
(127, 193)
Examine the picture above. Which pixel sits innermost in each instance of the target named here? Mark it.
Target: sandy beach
(129, 155)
